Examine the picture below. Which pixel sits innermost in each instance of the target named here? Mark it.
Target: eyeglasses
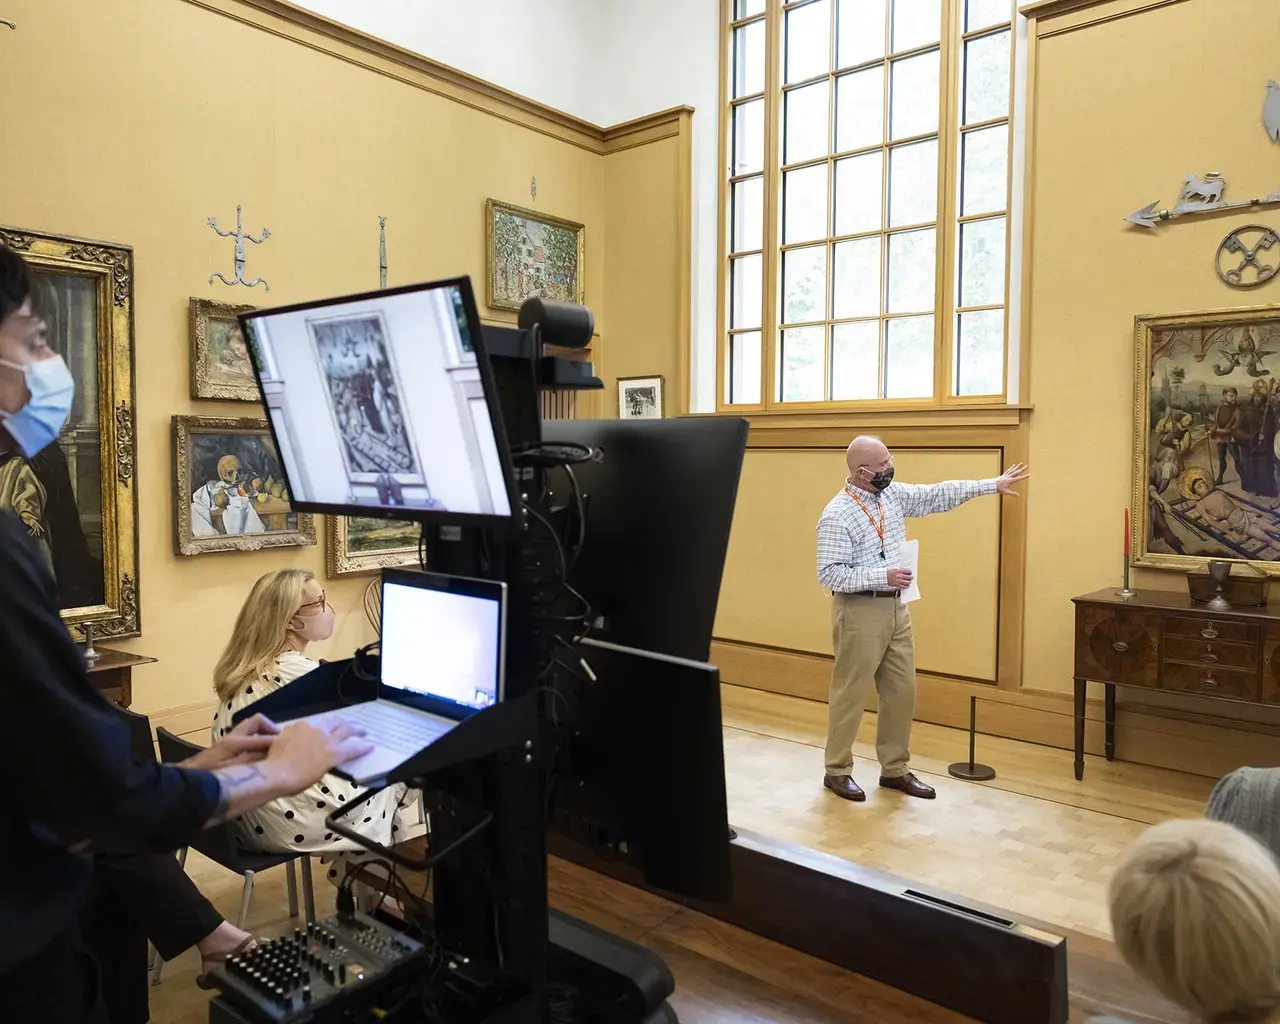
(321, 604)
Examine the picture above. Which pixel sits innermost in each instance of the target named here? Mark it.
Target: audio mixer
(295, 977)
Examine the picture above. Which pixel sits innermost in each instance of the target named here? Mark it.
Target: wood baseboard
(1199, 744)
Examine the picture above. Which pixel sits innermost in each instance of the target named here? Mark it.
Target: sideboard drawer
(1211, 629)
(1211, 653)
(1210, 682)
(1117, 645)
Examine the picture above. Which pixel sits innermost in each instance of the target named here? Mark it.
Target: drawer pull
(1208, 683)
(1209, 633)
(1209, 657)
(1120, 645)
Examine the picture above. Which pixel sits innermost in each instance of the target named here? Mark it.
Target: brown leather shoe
(844, 787)
(910, 785)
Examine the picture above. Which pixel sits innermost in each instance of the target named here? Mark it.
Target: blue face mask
(36, 425)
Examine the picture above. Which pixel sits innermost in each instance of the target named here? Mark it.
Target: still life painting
(359, 545)
(77, 497)
(531, 255)
(364, 396)
(1207, 429)
(230, 493)
(220, 363)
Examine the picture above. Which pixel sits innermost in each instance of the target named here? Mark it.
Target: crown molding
(289, 21)
(1046, 10)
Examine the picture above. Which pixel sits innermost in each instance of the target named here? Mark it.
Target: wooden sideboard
(1164, 641)
(112, 674)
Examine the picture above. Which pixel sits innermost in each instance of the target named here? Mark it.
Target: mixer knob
(306, 993)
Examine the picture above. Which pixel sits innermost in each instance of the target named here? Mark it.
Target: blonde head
(261, 631)
(1195, 909)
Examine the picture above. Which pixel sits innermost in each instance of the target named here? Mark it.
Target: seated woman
(1195, 908)
(285, 612)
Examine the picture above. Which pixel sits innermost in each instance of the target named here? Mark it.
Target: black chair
(141, 745)
(218, 844)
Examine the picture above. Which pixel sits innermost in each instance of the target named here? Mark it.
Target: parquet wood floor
(1033, 841)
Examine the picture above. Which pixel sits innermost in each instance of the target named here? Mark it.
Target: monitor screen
(384, 403)
(442, 643)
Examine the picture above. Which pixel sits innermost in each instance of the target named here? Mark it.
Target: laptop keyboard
(389, 725)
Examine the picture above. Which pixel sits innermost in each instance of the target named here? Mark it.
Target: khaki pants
(874, 646)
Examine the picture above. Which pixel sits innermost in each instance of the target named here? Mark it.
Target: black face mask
(879, 481)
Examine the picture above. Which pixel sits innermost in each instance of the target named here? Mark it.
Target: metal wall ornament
(239, 235)
(382, 252)
(1200, 194)
(1271, 111)
(1238, 261)
(6, 21)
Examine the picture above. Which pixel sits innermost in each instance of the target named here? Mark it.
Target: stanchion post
(969, 770)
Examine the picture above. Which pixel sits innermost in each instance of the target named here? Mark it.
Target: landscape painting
(1207, 427)
(531, 255)
(359, 545)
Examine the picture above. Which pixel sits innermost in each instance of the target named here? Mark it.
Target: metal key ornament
(239, 235)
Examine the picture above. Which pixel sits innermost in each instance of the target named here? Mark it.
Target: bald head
(867, 458)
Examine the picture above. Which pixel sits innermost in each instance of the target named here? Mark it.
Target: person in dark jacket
(72, 785)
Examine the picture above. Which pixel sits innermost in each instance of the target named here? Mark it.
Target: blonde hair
(261, 630)
(1195, 909)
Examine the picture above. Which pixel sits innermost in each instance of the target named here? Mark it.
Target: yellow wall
(1123, 109)
(136, 120)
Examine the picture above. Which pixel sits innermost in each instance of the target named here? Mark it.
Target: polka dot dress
(296, 823)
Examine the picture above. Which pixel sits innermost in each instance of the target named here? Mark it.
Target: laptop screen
(442, 639)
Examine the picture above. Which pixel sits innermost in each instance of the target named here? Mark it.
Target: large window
(866, 202)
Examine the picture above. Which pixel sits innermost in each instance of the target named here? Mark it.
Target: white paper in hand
(909, 559)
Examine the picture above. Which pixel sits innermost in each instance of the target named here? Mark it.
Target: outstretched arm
(930, 499)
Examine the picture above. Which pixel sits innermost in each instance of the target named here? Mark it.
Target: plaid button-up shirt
(848, 546)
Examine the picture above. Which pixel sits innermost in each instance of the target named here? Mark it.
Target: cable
(581, 509)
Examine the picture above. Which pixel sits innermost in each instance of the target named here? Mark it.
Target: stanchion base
(971, 772)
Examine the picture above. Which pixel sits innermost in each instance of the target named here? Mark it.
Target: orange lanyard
(878, 527)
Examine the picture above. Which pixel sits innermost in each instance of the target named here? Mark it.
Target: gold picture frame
(220, 369)
(1206, 453)
(225, 470)
(84, 290)
(506, 232)
(358, 546)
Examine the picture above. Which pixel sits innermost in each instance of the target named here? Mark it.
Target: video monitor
(384, 404)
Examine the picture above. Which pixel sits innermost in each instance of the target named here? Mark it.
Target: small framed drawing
(531, 254)
(220, 366)
(229, 491)
(358, 545)
(640, 398)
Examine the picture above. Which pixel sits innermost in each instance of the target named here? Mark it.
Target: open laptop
(443, 641)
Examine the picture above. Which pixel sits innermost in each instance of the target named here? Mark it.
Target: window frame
(949, 218)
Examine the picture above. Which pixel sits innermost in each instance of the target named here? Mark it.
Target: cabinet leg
(1111, 720)
(1079, 716)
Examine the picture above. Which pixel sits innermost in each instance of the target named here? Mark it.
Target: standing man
(859, 537)
(1228, 422)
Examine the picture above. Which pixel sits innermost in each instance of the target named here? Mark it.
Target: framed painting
(358, 545)
(640, 398)
(531, 255)
(79, 496)
(229, 491)
(1207, 439)
(220, 364)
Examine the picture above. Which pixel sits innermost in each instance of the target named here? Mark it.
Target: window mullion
(948, 171)
(770, 337)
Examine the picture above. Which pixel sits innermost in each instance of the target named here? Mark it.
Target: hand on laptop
(303, 753)
(247, 742)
